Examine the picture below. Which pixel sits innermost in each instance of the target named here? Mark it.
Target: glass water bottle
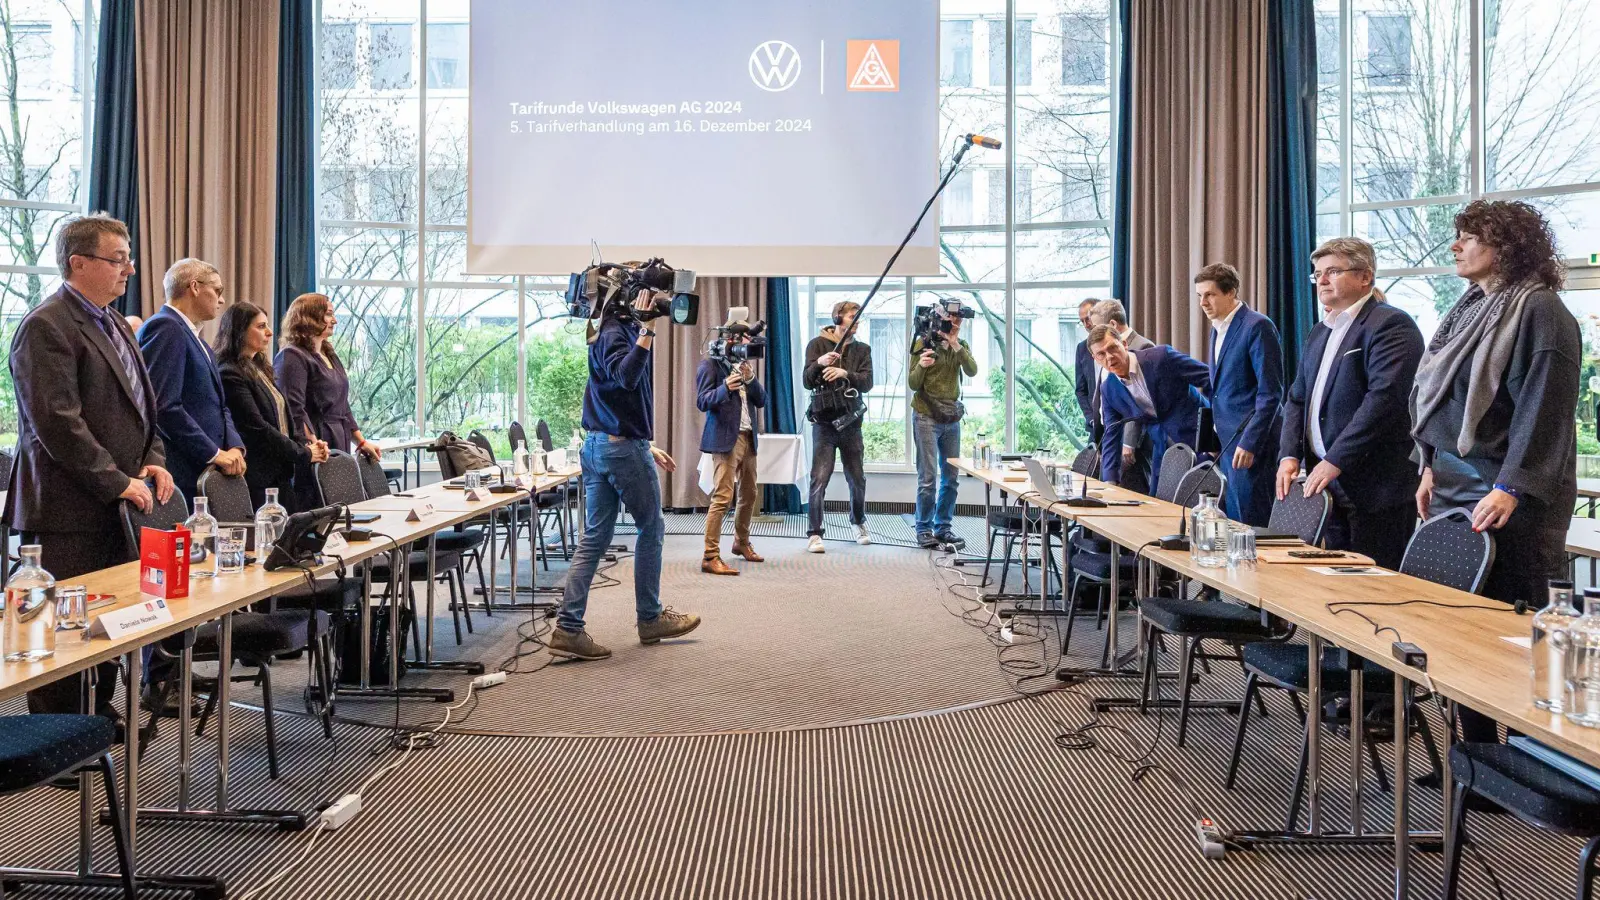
(1582, 700)
(203, 533)
(270, 521)
(519, 459)
(30, 615)
(1549, 647)
(1208, 534)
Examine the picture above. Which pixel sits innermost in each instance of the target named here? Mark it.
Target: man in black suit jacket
(1083, 376)
(86, 422)
(1346, 415)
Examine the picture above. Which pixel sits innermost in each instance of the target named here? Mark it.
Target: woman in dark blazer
(260, 412)
(313, 379)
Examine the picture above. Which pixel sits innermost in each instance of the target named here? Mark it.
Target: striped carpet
(974, 802)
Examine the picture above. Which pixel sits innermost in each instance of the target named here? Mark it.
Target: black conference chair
(1444, 550)
(462, 539)
(1087, 462)
(37, 749)
(541, 432)
(258, 639)
(341, 483)
(1199, 615)
(482, 440)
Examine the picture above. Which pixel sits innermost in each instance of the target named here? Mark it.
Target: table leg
(1358, 746)
(428, 662)
(1314, 735)
(1402, 781)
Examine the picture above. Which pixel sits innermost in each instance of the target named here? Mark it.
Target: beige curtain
(208, 101)
(679, 350)
(1198, 127)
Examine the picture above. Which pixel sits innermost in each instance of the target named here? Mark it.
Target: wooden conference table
(1469, 657)
(216, 599)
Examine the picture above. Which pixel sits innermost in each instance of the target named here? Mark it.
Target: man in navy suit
(1246, 388)
(1346, 415)
(1084, 374)
(1159, 388)
(191, 409)
(730, 396)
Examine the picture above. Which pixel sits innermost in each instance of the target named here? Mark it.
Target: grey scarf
(1479, 332)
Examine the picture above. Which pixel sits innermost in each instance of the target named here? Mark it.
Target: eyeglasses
(1330, 274)
(119, 262)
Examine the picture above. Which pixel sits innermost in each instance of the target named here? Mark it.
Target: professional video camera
(936, 319)
(726, 347)
(612, 288)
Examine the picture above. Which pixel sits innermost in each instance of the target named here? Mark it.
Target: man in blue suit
(1159, 388)
(1347, 415)
(730, 396)
(1084, 386)
(191, 411)
(1246, 388)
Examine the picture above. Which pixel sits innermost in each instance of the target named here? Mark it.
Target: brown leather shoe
(748, 552)
(715, 566)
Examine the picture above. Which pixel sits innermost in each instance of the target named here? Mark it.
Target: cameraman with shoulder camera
(837, 378)
(619, 467)
(939, 359)
(729, 394)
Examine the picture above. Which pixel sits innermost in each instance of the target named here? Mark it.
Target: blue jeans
(616, 473)
(935, 444)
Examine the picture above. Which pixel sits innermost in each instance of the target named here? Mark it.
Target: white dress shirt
(1221, 328)
(1338, 326)
(1136, 386)
(744, 412)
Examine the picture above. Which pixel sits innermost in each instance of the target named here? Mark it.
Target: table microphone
(351, 532)
(1083, 498)
(988, 143)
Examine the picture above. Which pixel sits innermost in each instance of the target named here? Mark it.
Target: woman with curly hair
(1493, 410)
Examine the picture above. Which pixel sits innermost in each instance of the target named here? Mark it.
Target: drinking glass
(230, 550)
(72, 611)
(1242, 545)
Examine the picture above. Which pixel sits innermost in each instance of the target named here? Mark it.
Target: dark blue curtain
(1122, 191)
(114, 159)
(296, 237)
(1291, 171)
(781, 419)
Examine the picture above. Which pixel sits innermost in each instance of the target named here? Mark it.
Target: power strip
(343, 810)
(489, 680)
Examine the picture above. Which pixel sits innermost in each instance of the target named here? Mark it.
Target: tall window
(955, 53)
(1083, 50)
(1421, 138)
(44, 151)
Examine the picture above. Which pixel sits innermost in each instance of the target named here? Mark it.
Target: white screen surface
(732, 137)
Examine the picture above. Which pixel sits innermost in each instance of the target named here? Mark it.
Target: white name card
(478, 495)
(525, 481)
(336, 544)
(419, 512)
(116, 623)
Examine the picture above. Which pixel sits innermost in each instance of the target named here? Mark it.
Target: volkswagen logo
(775, 66)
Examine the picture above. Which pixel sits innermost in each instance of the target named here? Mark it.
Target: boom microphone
(988, 143)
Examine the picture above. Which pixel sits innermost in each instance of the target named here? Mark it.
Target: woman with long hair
(1494, 409)
(313, 378)
(260, 412)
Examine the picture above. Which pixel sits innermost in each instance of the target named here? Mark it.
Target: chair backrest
(1445, 550)
(515, 433)
(1087, 462)
(229, 496)
(1301, 515)
(164, 516)
(477, 437)
(6, 461)
(1203, 478)
(447, 469)
(1175, 463)
(374, 482)
(541, 430)
(339, 479)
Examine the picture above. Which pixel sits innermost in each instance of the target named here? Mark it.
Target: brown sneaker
(748, 552)
(568, 645)
(715, 566)
(667, 625)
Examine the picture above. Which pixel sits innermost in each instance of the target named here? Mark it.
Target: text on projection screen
(733, 137)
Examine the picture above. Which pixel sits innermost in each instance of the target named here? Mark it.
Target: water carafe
(1582, 702)
(270, 521)
(1549, 648)
(203, 533)
(1208, 530)
(30, 615)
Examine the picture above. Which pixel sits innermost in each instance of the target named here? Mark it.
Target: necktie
(130, 363)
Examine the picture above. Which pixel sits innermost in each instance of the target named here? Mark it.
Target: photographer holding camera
(837, 375)
(727, 391)
(939, 359)
(619, 464)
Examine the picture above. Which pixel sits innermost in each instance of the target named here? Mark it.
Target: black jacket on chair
(272, 457)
